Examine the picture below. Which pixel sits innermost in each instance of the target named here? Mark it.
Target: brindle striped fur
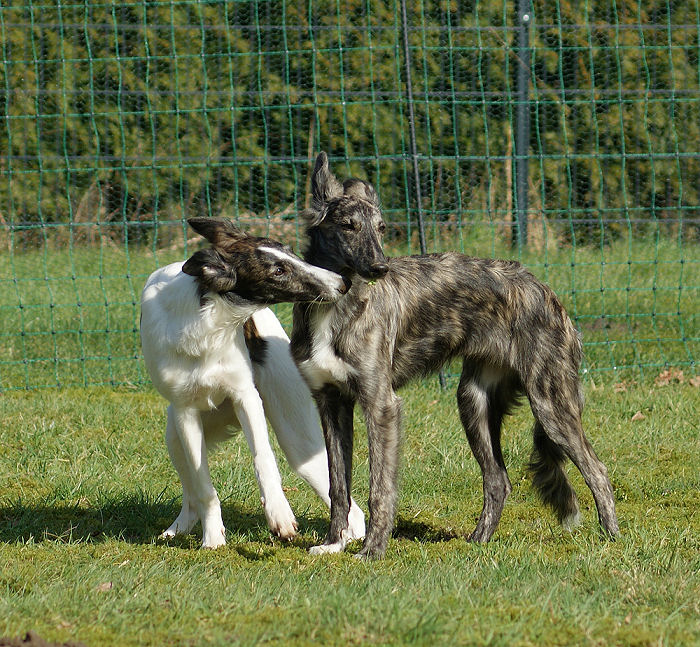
(406, 317)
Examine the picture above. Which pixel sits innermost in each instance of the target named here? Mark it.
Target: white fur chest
(324, 366)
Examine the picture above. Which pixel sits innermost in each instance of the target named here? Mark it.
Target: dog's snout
(378, 270)
(345, 285)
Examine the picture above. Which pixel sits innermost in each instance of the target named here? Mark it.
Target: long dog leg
(561, 421)
(249, 410)
(203, 497)
(188, 514)
(336, 420)
(383, 421)
(294, 418)
(473, 400)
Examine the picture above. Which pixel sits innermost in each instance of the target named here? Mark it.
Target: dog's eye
(347, 225)
(279, 271)
(381, 228)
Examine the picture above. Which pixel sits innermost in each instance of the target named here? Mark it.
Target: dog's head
(258, 270)
(345, 225)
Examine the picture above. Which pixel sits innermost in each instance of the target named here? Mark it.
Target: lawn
(86, 486)
(69, 314)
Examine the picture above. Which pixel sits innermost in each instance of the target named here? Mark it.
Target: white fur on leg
(356, 522)
(571, 521)
(280, 517)
(329, 549)
(213, 531)
(250, 413)
(184, 523)
(198, 489)
(355, 530)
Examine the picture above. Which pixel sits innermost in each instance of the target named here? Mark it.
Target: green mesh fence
(120, 120)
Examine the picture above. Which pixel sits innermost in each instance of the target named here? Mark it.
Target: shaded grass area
(86, 486)
(70, 317)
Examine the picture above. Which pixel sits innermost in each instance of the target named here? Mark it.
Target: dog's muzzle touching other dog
(222, 360)
(404, 318)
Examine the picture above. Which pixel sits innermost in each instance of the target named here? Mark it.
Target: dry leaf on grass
(621, 387)
(638, 416)
(669, 375)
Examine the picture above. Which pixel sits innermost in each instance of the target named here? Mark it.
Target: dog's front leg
(193, 464)
(383, 421)
(188, 514)
(249, 409)
(335, 411)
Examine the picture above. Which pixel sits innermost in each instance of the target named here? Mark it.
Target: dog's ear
(324, 185)
(360, 189)
(212, 272)
(220, 232)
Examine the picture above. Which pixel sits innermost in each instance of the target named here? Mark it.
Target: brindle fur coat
(404, 318)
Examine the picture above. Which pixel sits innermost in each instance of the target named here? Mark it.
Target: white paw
(213, 531)
(182, 525)
(327, 549)
(214, 539)
(356, 522)
(280, 517)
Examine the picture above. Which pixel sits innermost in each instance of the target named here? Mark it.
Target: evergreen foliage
(130, 116)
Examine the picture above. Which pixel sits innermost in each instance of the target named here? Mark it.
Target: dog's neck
(316, 254)
(229, 309)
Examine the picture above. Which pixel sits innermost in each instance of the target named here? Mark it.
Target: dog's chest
(324, 365)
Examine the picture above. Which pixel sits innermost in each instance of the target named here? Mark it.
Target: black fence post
(522, 122)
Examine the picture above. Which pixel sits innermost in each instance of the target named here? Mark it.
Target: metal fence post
(522, 122)
(414, 145)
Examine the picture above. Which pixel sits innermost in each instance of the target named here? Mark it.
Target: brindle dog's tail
(549, 478)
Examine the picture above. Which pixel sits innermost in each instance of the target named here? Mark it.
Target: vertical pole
(522, 122)
(412, 128)
(414, 146)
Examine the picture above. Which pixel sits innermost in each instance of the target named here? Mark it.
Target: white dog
(222, 360)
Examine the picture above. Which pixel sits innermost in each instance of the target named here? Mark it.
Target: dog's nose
(378, 270)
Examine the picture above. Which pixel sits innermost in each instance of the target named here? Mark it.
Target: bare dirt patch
(31, 639)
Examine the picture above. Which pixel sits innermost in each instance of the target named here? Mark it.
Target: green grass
(69, 315)
(86, 486)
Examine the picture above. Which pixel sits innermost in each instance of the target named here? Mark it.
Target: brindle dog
(406, 317)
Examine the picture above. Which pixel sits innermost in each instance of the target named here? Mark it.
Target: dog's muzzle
(377, 270)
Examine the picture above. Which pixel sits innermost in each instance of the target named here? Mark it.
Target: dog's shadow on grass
(138, 519)
(132, 519)
(422, 532)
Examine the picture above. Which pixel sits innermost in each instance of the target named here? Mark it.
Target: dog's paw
(182, 525)
(280, 518)
(214, 538)
(369, 553)
(327, 549)
(356, 522)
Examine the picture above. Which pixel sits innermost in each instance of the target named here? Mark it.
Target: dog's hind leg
(188, 514)
(301, 439)
(557, 409)
(293, 416)
(192, 462)
(550, 480)
(483, 427)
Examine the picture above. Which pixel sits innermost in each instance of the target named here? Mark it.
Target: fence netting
(120, 120)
